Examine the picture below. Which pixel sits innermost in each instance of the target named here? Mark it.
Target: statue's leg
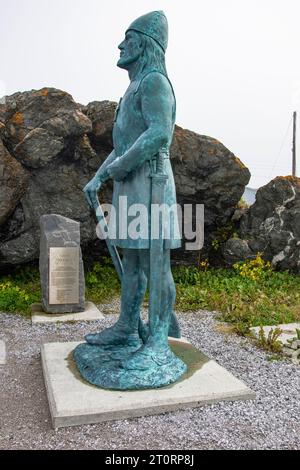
(134, 283)
(174, 328)
(156, 349)
(159, 337)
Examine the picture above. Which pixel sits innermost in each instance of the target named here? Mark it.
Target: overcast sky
(234, 64)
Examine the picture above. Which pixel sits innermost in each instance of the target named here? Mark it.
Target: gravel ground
(269, 422)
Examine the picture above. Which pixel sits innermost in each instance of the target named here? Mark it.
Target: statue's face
(131, 49)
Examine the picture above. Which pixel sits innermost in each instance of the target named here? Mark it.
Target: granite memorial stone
(61, 266)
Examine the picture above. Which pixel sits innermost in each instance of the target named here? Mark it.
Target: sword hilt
(160, 169)
(158, 173)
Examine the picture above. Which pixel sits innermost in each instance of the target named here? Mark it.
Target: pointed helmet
(154, 25)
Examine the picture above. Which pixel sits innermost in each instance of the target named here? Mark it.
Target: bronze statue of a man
(130, 354)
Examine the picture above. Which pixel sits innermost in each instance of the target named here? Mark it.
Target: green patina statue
(131, 354)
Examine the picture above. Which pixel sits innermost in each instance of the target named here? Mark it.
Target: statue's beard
(125, 62)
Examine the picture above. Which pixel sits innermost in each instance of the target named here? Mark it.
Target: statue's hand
(90, 190)
(115, 171)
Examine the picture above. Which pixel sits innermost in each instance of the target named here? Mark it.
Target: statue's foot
(114, 336)
(148, 357)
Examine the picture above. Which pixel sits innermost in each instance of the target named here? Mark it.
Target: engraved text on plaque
(64, 275)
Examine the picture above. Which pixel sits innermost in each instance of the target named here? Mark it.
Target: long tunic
(131, 124)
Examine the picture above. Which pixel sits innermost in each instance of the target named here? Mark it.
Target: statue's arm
(157, 103)
(101, 173)
(100, 177)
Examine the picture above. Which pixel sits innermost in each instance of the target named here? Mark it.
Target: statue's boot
(125, 332)
(116, 335)
(148, 357)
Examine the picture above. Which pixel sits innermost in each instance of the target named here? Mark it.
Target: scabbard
(158, 184)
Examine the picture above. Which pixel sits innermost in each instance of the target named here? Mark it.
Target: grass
(249, 294)
(19, 290)
(22, 288)
(271, 299)
(102, 282)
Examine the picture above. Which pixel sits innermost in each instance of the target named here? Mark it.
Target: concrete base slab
(91, 313)
(73, 401)
(2, 352)
(288, 331)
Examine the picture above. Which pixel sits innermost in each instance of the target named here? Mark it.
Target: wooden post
(294, 143)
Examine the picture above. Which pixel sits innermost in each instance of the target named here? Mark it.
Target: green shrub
(271, 341)
(14, 298)
(254, 269)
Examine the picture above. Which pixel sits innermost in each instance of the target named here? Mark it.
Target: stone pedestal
(74, 401)
(90, 313)
(61, 266)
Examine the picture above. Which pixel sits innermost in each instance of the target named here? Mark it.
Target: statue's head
(146, 40)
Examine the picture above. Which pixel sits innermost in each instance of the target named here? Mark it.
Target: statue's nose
(121, 45)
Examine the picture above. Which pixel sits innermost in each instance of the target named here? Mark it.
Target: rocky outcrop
(206, 172)
(13, 183)
(270, 226)
(53, 146)
(46, 134)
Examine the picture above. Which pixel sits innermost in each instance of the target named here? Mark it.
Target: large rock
(271, 226)
(50, 109)
(38, 148)
(101, 114)
(45, 132)
(60, 144)
(206, 172)
(13, 183)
